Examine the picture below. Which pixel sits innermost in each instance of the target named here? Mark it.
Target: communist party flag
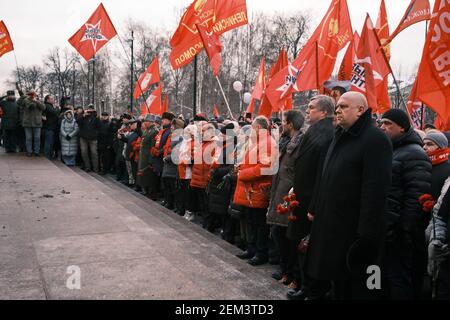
(315, 62)
(382, 30)
(418, 10)
(220, 15)
(345, 70)
(414, 107)
(94, 34)
(212, 46)
(266, 108)
(6, 44)
(149, 77)
(433, 87)
(369, 67)
(153, 104)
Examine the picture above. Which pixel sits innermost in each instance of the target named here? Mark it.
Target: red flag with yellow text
(345, 70)
(433, 87)
(220, 15)
(6, 44)
(149, 77)
(315, 62)
(94, 34)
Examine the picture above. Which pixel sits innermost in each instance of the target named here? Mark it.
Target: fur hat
(168, 115)
(178, 123)
(200, 117)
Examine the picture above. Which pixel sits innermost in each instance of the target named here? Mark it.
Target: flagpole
(194, 110)
(18, 71)
(422, 113)
(93, 81)
(224, 97)
(317, 66)
(133, 73)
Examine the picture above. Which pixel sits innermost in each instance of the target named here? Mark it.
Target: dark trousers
(258, 232)
(169, 191)
(9, 140)
(121, 169)
(182, 196)
(49, 143)
(443, 281)
(354, 288)
(287, 250)
(398, 266)
(105, 157)
(199, 198)
(230, 227)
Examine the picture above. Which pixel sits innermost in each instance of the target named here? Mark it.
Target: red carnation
(294, 204)
(286, 198)
(428, 206)
(282, 209)
(292, 218)
(293, 196)
(424, 198)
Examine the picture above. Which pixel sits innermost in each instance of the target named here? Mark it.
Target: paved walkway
(126, 246)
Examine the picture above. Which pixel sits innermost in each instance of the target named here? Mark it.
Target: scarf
(439, 156)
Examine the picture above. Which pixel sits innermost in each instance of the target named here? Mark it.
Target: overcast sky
(38, 26)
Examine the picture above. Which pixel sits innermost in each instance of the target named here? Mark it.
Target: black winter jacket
(411, 178)
(52, 114)
(89, 126)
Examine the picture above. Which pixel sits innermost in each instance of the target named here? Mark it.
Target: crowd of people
(325, 194)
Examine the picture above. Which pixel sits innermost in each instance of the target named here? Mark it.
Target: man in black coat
(89, 126)
(313, 148)
(50, 125)
(105, 142)
(10, 121)
(348, 228)
(405, 261)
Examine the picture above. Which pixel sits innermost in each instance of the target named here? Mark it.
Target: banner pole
(224, 97)
(18, 71)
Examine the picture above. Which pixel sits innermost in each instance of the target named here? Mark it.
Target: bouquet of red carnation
(288, 206)
(427, 202)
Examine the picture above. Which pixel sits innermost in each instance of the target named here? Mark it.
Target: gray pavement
(54, 218)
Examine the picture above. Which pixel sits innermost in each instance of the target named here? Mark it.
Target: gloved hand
(68, 137)
(438, 251)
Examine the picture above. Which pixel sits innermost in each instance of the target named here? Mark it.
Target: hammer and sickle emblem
(333, 28)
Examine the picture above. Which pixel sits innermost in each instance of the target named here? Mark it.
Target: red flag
(166, 104)
(317, 57)
(220, 15)
(382, 30)
(251, 107)
(260, 84)
(6, 44)
(414, 106)
(266, 107)
(94, 34)
(433, 87)
(345, 70)
(216, 112)
(144, 109)
(369, 67)
(153, 103)
(149, 77)
(212, 46)
(418, 10)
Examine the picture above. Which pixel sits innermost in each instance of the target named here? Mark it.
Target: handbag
(235, 211)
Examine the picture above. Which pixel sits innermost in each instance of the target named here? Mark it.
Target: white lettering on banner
(441, 58)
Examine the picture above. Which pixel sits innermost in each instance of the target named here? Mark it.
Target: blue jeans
(49, 143)
(29, 141)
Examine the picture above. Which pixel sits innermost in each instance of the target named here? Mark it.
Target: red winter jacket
(254, 176)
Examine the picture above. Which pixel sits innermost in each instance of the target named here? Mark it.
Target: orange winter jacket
(201, 169)
(255, 173)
